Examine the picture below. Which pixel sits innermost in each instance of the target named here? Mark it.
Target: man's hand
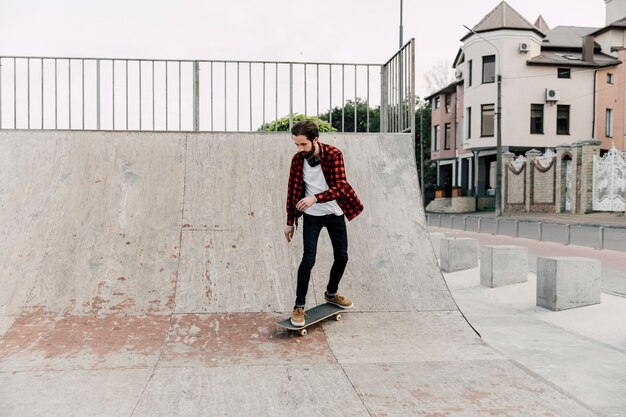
(306, 202)
(289, 233)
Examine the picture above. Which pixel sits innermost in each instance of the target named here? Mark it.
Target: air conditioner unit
(553, 94)
(458, 73)
(524, 47)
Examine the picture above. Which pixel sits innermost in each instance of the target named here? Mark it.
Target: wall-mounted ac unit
(524, 47)
(458, 73)
(553, 94)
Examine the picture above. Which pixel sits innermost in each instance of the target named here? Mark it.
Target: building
(558, 86)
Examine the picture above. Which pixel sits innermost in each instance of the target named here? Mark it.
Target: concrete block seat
(458, 254)
(567, 282)
(503, 265)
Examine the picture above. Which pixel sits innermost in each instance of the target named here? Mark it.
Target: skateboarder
(318, 190)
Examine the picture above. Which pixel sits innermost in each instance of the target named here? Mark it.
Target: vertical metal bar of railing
(112, 94)
(290, 96)
(167, 113)
(412, 93)
(196, 96)
(237, 124)
(0, 92)
(56, 102)
(250, 91)
(263, 94)
(211, 95)
(126, 91)
(305, 97)
(355, 97)
(317, 88)
(384, 82)
(225, 98)
(69, 93)
(276, 102)
(140, 108)
(330, 96)
(14, 93)
(82, 98)
(343, 99)
(180, 111)
(98, 120)
(28, 90)
(367, 101)
(153, 104)
(42, 90)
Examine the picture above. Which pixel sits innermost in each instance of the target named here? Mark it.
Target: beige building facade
(559, 87)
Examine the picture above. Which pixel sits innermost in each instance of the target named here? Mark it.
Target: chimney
(588, 45)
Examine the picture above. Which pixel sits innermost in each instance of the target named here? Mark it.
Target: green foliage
(282, 124)
(346, 113)
(422, 124)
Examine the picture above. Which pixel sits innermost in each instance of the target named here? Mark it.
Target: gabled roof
(573, 59)
(620, 24)
(567, 37)
(503, 17)
(541, 24)
(448, 89)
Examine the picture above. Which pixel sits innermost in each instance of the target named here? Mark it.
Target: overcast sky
(350, 31)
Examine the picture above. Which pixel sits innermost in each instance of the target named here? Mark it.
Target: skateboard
(314, 315)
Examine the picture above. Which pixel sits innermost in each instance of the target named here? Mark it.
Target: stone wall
(537, 183)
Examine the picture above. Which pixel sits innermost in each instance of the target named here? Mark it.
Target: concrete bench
(458, 254)
(503, 265)
(435, 240)
(567, 282)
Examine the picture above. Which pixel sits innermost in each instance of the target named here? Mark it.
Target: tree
(423, 135)
(346, 113)
(438, 76)
(282, 124)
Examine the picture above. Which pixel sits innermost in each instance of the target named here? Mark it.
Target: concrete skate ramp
(142, 274)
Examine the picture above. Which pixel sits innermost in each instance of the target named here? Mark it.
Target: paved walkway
(582, 351)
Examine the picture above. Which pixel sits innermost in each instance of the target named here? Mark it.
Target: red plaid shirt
(338, 187)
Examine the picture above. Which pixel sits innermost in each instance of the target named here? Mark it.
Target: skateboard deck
(314, 315)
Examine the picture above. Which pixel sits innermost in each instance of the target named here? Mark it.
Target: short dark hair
(305, 128)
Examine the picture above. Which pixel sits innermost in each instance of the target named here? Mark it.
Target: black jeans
(311, 228)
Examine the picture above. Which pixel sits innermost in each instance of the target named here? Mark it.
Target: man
(318, 190)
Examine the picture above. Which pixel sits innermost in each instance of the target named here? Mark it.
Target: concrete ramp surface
(142, 274)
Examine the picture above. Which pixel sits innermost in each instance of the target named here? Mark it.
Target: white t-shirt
(315, 183)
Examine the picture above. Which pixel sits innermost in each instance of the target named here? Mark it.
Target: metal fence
(207, 95)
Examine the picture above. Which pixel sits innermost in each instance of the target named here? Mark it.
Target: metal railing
(208, 95)
(398, 91)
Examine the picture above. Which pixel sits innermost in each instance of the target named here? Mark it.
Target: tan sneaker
(339, 300)
(297, 316)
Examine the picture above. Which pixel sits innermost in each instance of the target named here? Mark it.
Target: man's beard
(308, 155)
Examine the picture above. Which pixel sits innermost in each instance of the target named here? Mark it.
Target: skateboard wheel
(338, 317)
(303, 332)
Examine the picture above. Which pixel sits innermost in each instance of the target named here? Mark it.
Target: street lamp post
(498, 126)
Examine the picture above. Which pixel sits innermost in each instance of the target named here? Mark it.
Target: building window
(564, 73)
(435, 138)
(487, 120)
(447, 103)
(536, 118)
(436, 102)
(609, 78)
(562, 120)
(468, 133)
(446, 136)
(489, 69)
(469, 73)
(608, 130)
